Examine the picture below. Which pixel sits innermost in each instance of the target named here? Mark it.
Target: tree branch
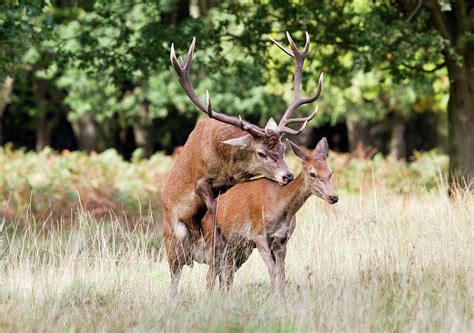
(417, 8)
(341, 9)
(421, 69)
(439, 19)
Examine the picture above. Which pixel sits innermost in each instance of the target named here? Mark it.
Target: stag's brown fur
(204, 158)
(261, 214)
(206, 164)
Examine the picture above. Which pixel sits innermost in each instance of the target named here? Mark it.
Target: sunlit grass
(382, 262)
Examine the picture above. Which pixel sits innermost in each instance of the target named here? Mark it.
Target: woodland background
(92, 118)
(93, 75)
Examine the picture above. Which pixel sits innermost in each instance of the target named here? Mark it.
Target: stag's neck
(229, 167)
(294, 195)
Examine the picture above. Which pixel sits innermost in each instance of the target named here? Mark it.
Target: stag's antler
(299, 57)
(183, 69)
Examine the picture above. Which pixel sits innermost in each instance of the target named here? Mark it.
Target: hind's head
(316, 171)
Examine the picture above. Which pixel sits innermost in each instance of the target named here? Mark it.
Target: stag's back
(203, 155)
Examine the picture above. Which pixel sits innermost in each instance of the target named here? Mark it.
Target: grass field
(375, 262)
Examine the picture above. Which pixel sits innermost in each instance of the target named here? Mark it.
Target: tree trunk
(143, 130)
(44, 126)
(106, 138)
(87, 133)
(5, 98)
(461, 121)
(397, 139)
(358, 134)
(44, 129)
(455, 26)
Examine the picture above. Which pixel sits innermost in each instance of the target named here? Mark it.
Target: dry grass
(379, 263)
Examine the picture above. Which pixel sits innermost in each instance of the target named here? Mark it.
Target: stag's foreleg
(204, 191)
(176, 261)
(175, 239)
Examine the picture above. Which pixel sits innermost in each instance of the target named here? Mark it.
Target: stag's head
(264, 143)
(316, 171)
(266, 152)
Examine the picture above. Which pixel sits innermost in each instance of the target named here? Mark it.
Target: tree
(454, 22)
(112, 60)
(407, 39)
(108, 63)
(5, 99)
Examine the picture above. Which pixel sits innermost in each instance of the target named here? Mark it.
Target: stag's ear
(242, 142)
(271, 125)
(297, 150)
(322, 148)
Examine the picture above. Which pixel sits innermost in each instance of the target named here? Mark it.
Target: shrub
(51, 185)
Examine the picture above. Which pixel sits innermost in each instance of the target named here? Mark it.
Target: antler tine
(284, 121)
(297, 53)
(293, 46)
(209, 106)
(291, 131)
(299, 57)
(317, 94)
(173, 59)
(306, 45)
(189, 56)
(294, 49)
(303, 119)
(284, 49)
(183, 68)
(181, 65)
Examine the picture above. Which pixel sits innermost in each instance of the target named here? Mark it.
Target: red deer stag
(261, 214)
(221, 151)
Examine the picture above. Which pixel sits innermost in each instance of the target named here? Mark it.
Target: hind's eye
(312, 174)
(261, 155)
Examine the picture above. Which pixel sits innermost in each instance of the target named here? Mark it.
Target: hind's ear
(322, 148)
(242, 142)
(297, 150)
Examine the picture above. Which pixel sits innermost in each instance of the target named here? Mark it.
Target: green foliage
(366, 50)
(372, 96)
(18, 28)
(111, 58)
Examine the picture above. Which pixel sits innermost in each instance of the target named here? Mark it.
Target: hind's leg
(279, 253)
(265, 252)
(211, 278)
(226, 275)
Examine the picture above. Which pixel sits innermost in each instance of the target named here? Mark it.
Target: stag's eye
(312, 174)
(261, 155)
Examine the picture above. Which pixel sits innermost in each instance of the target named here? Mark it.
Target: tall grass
(378, 262)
